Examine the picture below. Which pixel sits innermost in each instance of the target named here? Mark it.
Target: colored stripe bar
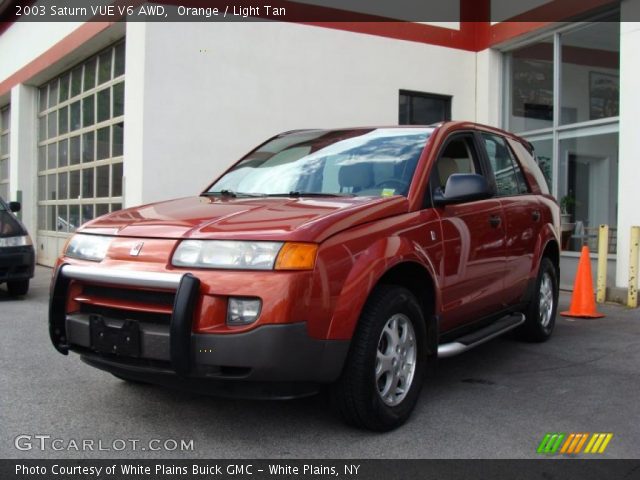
(565, 447)
(554, 443)
(574, 444)
(543, 443)
(596, 445)
(582, 441)
(605, 443)
(594, 437)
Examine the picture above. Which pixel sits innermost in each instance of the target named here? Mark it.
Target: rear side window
(535, 176)
(506, 171)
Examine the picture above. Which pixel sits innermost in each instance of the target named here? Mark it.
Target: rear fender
(547, 234)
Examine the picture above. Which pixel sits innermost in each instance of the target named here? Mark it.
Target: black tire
(540, 316)
(357, 393)
(129, 380)
(18, 288)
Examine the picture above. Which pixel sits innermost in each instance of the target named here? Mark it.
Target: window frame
(448, 99)
(557, 130)
(72, 137)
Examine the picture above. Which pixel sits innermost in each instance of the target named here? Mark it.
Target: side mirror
(462, 187)
(15, 207)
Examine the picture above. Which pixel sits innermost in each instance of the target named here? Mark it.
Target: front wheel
(541, 314)
(383, 376)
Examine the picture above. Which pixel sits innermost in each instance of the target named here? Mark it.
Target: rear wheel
(541, 315)
(385, 368)
(18, 287)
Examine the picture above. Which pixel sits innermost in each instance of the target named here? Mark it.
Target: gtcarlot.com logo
(47, 442)
(574, 443)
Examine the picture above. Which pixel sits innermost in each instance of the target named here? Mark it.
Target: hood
(293, 219)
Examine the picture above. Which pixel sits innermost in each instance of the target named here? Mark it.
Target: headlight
(88, 247)
(226, 254)
(21, 241)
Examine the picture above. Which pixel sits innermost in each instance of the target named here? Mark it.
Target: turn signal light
(297, 256)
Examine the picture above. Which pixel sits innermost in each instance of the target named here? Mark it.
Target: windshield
(9, 226)
(374, 162)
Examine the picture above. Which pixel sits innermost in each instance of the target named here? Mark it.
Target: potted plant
(566, 203)
(566, 227)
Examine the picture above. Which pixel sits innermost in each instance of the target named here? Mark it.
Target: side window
(507, 172)
(459, 156)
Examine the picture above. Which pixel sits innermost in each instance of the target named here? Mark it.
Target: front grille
(142, 296)
(126, 304)
(121, 314)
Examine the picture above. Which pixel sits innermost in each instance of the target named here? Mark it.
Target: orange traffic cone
(583, 303)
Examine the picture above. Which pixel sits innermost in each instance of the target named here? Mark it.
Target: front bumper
(16, 263)
(174, 355)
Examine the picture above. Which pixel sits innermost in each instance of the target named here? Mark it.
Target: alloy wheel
(395, 359)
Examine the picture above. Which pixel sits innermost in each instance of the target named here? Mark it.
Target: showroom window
(417, 108)
(562, 94)
(80, 143)
(5, 116)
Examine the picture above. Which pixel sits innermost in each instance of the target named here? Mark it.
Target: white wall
(208, 93)
(628, 191)
(489, 87)
(22, 162)
(134, 101)
(22, 42)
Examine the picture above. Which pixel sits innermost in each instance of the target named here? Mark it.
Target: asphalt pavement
(496, 401)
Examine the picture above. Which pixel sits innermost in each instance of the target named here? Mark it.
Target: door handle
(495, 221)
(536, 215)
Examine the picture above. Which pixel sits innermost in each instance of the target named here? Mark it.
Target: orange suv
(352, 258)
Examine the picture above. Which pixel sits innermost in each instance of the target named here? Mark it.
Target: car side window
(506, 171)
(459, 156)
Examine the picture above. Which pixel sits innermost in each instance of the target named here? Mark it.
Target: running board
(467, 342)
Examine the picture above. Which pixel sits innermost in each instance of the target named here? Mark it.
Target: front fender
(367, 269)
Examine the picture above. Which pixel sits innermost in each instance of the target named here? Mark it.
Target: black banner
(306, 10)
(546, 469)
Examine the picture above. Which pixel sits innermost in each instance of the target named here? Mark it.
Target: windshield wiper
(297, 194)
(230, 193)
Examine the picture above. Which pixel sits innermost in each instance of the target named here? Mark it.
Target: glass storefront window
(590, 72)
(544, 157)
(531, 86)
(78, 112)
(562, 94)
(588, 185)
